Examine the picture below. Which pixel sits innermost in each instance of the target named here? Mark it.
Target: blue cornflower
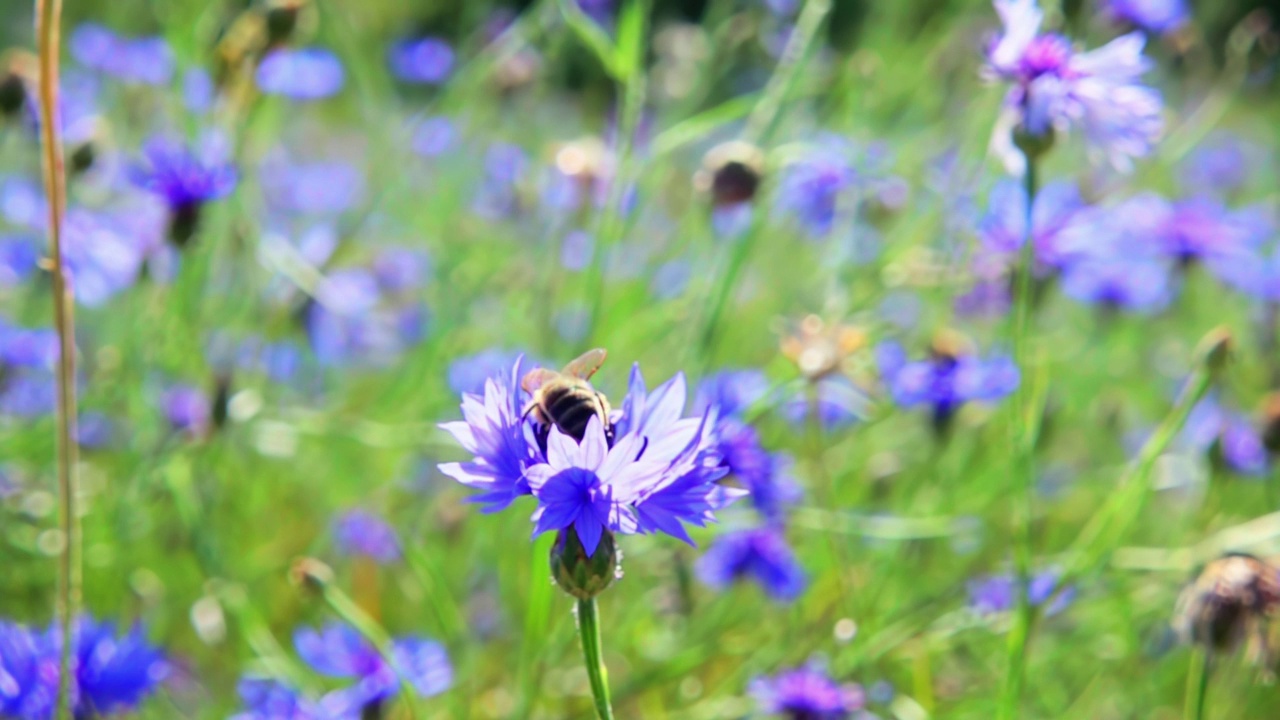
(1004, 228)
(401, 269)
(656, 475)
(1055, 88)
(1221, 165)
(467, 374)
(340, 651)
(806, 693)
(834, 401)
(301, 74)
(433, 136)
(813, 189)
(499, 193)
(319, 188)
(999, 593)
(269, 699)
(187, 409)
(114, 673)
(198, 90)
(352, 319)
(1212, 428)
(495, 433)
(146, 60)
(759, 554)
(19, 258)
(102, 257)
(425, 60)
(946, 380)
(185, 180)
(732, 392)
(1113, 281)
(1154, 16)
(1117, 256)
(360, 532)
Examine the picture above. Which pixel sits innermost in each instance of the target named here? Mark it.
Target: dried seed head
(818, 349)
(310, 573)
(1229, 604)
(731, 172)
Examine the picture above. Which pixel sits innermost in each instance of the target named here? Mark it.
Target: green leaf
(591, 35)
(629, 54)
(691, 130)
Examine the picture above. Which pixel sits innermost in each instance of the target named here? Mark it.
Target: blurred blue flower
(576, 250)
(835, 401)
(113, 673)
(145, 60)
(269, 699)
(1221, 165)
(102, 258)
(467, 374)
(301, 74)
(433, 136)
(945, 380)
(759, 554)
(1004, 228)
(499, 192)
(999, 593)
(318, 188)
(22, 202)
(1054, 88)
(812, 188)
(732, 392)
(198, 90)
(401, 269)
(1213, 428)
(351, 320)
(806, 693)
(94, 430)
(187, 409)
(360, 532)
(185, 179)
(1155, 16)
(425, 60)
(1115, 282)
(671, 278)
(599, 10)
(338, 650)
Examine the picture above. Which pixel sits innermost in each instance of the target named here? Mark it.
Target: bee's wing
(536, 378)
(586, 365)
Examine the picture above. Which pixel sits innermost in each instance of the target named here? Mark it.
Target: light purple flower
(1155, 16)
(1055, 88)
(338, 650)
(145, 60)
(433, 136)
(945, 382)
(999, 593)
(761, 555)
(318, 188)
(425, 60)
(360, 532)
(806, 693)
(1004, 228)
(302, 74)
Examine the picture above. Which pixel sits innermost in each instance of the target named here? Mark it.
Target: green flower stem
(1198, 684)
(761, 125)
(589, 631)
(70, 571)
(1023, 461)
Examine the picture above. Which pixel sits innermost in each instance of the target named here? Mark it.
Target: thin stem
(1198, 684)
(589, 631)
(761, 125)
(1023, 460)
(48, 18)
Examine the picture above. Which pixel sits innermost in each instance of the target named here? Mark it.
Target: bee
(1231, 604)
(565, 399)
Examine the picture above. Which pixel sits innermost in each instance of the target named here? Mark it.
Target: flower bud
(17, 71)
(1215, 349)
(184, 221)
(1033, 145)
(581, 576)
(310, 573)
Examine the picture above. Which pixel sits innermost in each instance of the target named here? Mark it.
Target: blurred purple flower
(1213, 427)
(499, 193)
(806, 693)
(102, 258)
(319, 188)
(187, 409)
(433, 136)
(338, 650)
(732, 392)
(1138, 284)
(1004, 228)
(185, 179)
(145, 60)
(837, 400)
(759, 554)
(670, 279)
(94, 430)
(270, 699)
(198, 90)
(425, 60)
(360, 532)
(1054, 88)
(999, 593)
(1154, 16)
(944, 382)
(302, 74)
(576, 250)
(1221, 165)
(811, 189)
(401, 270)
(19, 256)
(467, 374)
